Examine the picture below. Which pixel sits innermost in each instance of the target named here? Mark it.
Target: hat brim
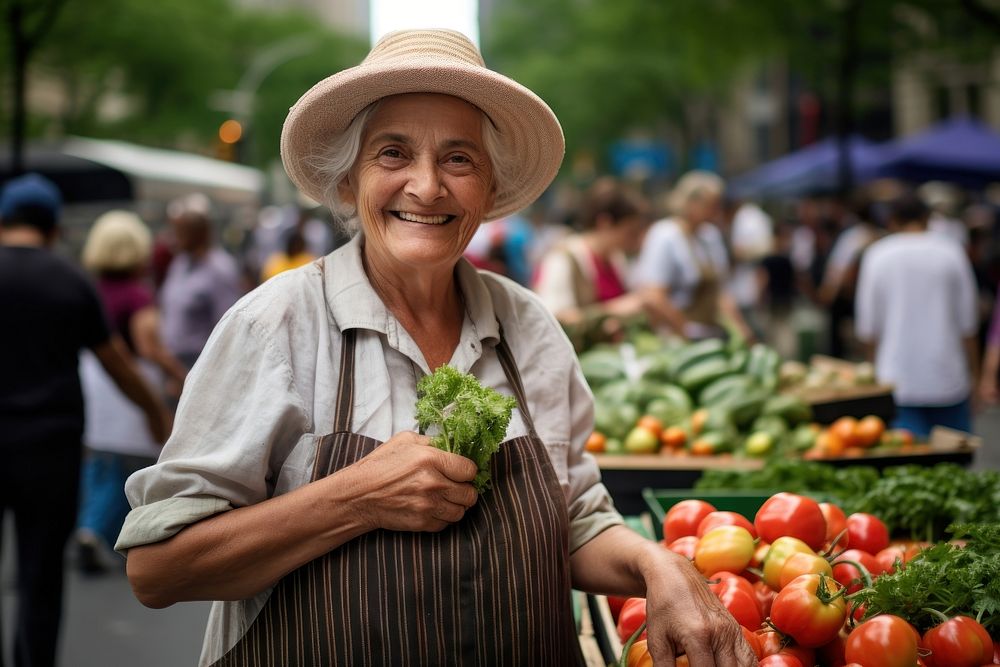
(527, 125)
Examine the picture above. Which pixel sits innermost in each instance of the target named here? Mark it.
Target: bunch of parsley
(946, 578)
(463, 417)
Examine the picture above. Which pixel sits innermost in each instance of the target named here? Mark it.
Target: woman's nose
(424, 183)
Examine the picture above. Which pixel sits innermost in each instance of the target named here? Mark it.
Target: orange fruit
(673, 437)
(651, 423)
(846, 429)
(596, 443)
(702, 448)
(830, 443)
(869, 430)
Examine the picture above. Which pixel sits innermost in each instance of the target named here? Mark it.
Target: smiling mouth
(423, 219)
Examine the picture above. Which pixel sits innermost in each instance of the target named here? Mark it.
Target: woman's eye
(392, 153)
(458, 159)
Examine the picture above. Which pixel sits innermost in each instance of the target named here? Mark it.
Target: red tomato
(742, 605)
(882, 641)
(684, 546)
(773, 643)
(718, 518)
(958, 642)
(780, 660)
(996, 653)
(683, 518)
(808, 611)
(727, 548)
(836, 525)
(802, 563)
(633, 615)
(793, 515)
(723, 579)
(847, 574)
(867, 532)
(753, 640)
(887, 557)
(765, 597)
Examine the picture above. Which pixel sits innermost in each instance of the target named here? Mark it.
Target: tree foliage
(608, 67)
(162, 62)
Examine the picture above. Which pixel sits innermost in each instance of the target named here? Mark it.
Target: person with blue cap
(51, 313)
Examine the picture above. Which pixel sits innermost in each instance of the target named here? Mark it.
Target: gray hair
(336, 160)
(692, 186)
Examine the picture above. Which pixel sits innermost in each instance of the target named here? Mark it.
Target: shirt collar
(354, 303)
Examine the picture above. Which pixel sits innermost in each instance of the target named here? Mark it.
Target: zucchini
(726, 387)
(697, 377)
(695, 353)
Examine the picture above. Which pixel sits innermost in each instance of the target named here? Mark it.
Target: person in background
(583, 279)
(118, 441)
(50, 313)
(295, 487)
(751, 238)
(836, 289)
(294, 255)
(916, 308)
(777, 287)
(683, 266)
(203, 281)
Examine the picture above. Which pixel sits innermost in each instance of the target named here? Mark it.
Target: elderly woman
(682, 269)
(293, 487)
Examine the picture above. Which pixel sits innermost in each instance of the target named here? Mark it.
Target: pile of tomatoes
(787, 578)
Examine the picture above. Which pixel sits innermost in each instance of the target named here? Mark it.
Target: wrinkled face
(422, 181)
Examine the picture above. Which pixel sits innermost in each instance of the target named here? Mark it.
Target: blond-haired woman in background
(117, 252)
(683, 265)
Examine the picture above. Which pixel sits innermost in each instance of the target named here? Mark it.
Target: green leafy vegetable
(944, 578)
(463, 417)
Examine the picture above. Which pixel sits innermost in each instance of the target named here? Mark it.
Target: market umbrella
(809, 170)
(960, 150)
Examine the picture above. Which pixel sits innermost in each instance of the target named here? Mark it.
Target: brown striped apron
(492, 589)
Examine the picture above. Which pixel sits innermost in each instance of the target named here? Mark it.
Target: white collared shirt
(263, 392)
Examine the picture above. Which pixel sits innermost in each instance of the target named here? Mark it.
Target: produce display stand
(625, 476)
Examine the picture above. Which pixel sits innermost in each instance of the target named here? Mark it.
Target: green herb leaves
(463, 417)
(944, 578)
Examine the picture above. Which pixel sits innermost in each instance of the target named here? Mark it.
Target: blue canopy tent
(810, 170)
(959, 150)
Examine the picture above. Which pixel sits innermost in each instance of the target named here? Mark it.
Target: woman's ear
(346, 192)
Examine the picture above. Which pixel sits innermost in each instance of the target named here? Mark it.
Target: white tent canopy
(155, 169)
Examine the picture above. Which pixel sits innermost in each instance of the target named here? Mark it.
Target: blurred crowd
(892, 273)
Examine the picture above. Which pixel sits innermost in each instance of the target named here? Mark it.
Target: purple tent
(810, 170)
(959, 150)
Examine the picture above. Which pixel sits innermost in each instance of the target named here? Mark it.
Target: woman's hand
(685, 617)
(406, 484)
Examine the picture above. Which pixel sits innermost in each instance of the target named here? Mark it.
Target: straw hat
(118, 241)
(427, 61)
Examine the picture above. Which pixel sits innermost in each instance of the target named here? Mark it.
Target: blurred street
(105, 626)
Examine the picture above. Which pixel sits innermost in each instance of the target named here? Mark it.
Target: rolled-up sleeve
(591, 509)
(237, 420)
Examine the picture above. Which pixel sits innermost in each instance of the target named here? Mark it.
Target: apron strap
(514, 378)
(345, 385)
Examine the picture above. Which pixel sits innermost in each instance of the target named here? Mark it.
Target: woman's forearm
(612, 563)
(239, 553)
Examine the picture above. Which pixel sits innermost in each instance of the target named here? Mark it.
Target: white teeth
(424, 219)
